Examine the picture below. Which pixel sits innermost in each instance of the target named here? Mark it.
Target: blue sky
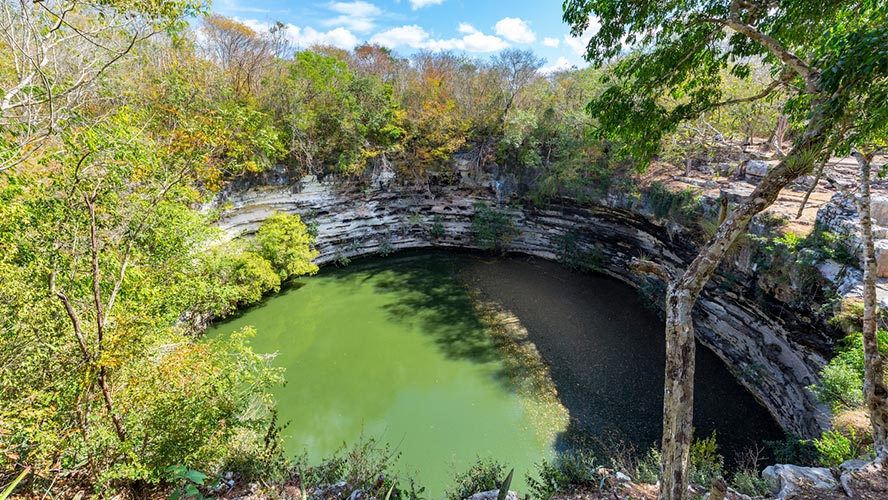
(476, 27)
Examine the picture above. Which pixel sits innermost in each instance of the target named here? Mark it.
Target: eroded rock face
(774, 356)
(792, 479)
(840, 217)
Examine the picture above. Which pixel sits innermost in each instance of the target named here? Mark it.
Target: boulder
(879, 210)
(757, 168)
(492, 495)
(881, 247)
(790, 478)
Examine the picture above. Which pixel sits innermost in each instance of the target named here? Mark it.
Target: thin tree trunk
(874, 387)
(682, 293)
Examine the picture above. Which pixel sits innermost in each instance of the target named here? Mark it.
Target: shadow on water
(605, 351)
(425, 288)
(607, 356)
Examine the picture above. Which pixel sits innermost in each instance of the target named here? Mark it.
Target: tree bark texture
(682, 294)
(874, 388)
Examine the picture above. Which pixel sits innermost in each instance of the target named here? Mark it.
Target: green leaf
(9, 489)
(504, 489)
(196, 476)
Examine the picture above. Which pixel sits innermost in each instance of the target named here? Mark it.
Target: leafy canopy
(667, 59)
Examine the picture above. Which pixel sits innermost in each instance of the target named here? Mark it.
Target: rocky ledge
(774, 355)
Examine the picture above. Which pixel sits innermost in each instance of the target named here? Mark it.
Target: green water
(394, 350)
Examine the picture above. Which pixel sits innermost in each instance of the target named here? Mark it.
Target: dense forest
(121, 121)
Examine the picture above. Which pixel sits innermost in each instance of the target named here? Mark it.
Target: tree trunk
(874, 388)
(682, 293)
(777, 135)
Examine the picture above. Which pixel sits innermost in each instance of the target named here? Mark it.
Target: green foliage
(841, 386)
(284, 241)
(794, 450)
(569, 472)
(835, 448)
(186, 482)
(224, 393)
(493, 228)
(647, 469)
(437, 229)
(752, 484)
(483, 475)
(680, 53)
(682, 207)
(366, 465)
(573, 255)
(333, 117)
(706, 463)
(841, 380)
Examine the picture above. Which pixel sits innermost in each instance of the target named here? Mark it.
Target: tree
(102, 254)
(517, 68)
(823, 52)
(875, 390)
(55, 55)
(243, 54)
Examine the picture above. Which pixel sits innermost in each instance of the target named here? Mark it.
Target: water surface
(395, 349)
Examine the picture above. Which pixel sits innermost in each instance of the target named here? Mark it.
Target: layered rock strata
(774, 356)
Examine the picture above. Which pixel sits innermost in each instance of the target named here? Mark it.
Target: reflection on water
(396, 349)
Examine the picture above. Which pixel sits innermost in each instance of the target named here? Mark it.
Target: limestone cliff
(774, 356)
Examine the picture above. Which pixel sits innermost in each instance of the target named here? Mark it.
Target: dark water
(607, 353)
(394, 349)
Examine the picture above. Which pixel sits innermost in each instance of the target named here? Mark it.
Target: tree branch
(761, 95)
(648, 267)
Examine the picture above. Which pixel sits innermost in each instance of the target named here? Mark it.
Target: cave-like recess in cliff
(393, 348)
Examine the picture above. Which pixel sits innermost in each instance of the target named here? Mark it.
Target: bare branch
(648, 267)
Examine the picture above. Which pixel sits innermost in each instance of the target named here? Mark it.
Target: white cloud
(479, 42)
(357, 16)
(578, 44)
(410, 36)
(308, 36)
(416, 37)
(515, 30)
(418, 4)
(551, 42)
(467, 28)
(560, 65)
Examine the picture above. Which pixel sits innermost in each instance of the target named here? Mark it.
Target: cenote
(398, 349)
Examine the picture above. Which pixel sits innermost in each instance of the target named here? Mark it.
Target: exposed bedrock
(775, 355)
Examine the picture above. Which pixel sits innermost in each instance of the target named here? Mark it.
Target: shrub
(835, 448)
(218, 390)
(239, 278)
(794, 450)
(437, 229)
(706, 463)
(285, 242)
(680, 206)
(752, 484)
(494, 229)
(573, 255)
(841, 381)
(483, 475)
(366, 465)
(566, 473)
(647, 470)
(747, 479)
(841, 386)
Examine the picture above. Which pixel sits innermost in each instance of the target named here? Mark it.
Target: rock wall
(775, 358)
